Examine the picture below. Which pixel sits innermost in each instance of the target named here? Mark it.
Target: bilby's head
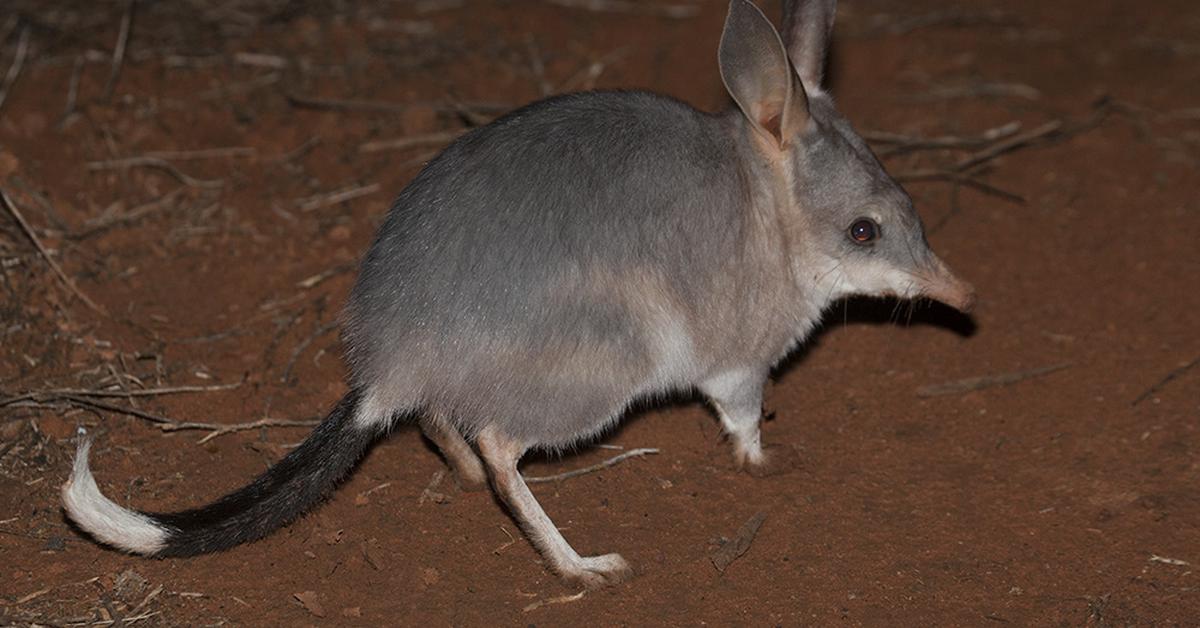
(853, 230)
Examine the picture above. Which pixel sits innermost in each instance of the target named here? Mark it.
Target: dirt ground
(209, 179)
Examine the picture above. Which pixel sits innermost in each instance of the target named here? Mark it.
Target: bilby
(580, 253)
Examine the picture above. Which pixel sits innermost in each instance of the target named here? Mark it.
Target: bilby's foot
(596, 572)
(774, 460)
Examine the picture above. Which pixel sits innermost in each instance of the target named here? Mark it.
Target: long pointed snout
(943, 285)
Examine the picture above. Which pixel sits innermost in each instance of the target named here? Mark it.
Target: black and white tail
(282, 493)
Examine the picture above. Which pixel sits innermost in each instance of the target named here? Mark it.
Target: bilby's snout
(943, 285)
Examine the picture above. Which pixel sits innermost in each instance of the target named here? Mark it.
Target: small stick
(219, 429)
(632, 453)
(428, 139)
(561, 599)
(537, 65)
(1011, 143)
(8, 204)
(739, 544)
(31, 596)
(104, 223)
(905, 143)
(987, 381)
(674, 11)
(339, 196)
(145, 392)
(1166, 380)
(204, 153)
(300, 150)
(312, 281)
(958, 179)
(373, 106)
(155, 162)
(586, 77)
(1019, 90)
(14, 70)
(119, 52)
(261, 60)
(502, 547)
(302, 345)
(72, 91)
(92, 403)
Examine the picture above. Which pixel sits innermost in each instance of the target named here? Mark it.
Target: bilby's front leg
(501, 455)
(737, 397)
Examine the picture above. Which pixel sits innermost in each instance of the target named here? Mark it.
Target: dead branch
(979, 90)
(374, 106)
(302, 345)
(987, 381)
(260, 60)
(894, 25)
(310, 203)
(900, 143)
(1008, 145)
(72, 92)
(49, 395)
(62, 276)
(673, 11)
(632, 453)
(14, 70)
(739, 544)
(155, 162)
(118, 56)
(220, 429)
(105, 222)
(204, 153)
(560, 599)
(1174, 374)
(310, 282)
(413, 141)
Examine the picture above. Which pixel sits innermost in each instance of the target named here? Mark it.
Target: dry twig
(338, 196)
(374, 106)
(302, 345)
(632, 453)
(48, 395)
(219, 429)
(985, 155)
(1174, 374)
(674, 11)
(561, 599)
(413, 141)
(16, 214)
(739, 544)
(118, 56)
(155, 162)
(14, 70)
(987, 381)
(900, 143)
(106, 222)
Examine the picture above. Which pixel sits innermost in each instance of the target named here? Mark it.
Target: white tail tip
(99, 516)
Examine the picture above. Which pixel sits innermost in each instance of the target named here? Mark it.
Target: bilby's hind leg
(501, 454)
(468, 469)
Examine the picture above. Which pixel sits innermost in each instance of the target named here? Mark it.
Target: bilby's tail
(282, 493)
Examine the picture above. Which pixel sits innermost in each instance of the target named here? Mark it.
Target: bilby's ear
(807, 25)
(756, 71)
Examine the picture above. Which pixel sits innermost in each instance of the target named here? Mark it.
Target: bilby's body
(580, 253)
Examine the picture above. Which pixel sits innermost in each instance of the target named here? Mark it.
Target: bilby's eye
(864, 230)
